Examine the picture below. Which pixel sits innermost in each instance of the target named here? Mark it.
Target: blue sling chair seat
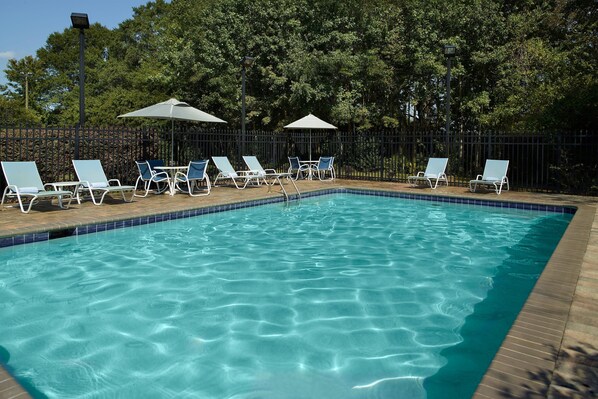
(148, 176)
(295, 165)
(196, 173)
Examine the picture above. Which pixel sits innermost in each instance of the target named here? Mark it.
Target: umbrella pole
(172, 142)
(310, 144)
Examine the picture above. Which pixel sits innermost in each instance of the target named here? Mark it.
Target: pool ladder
(276, 179)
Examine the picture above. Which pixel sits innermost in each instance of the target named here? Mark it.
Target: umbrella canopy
(310, 122)
(172, 110)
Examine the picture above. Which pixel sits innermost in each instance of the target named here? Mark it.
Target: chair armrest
(114, 181)
(12, 188)
(270, 170)
(247, 172)
(176, 175)
(479, 177)
(420, 174)
(161, 174)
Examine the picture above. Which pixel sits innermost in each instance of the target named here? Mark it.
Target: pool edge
(75, 229)
(528, 357)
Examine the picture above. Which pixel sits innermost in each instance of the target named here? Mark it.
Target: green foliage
(13, 112)
(365, 154)
(360, 64)
(570, 176)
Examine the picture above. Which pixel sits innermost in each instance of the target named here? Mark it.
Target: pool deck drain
(551, 350)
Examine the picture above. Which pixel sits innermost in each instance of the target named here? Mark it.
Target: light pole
(27, 74)
(80, 21)
(245, 62)
(449, 52)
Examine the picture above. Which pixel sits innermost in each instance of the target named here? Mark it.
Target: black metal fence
(550, 162)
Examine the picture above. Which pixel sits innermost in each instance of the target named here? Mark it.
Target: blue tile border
(120, 224)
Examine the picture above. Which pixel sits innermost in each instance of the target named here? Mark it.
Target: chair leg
(6, 190)
(146, 186)
(124, 197)
(192, 184)
(93, 198)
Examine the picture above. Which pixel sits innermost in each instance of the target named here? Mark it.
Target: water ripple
(336, 298)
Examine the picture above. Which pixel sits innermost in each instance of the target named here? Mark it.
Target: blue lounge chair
(435, 173)
(93, 179)
(148, 176)
(325, 165)
(23, 181)
(495, 175)
(295, 166)
(226, 171)
(196, 172)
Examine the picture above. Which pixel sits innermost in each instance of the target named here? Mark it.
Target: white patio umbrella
(310, 122)
(172, 109)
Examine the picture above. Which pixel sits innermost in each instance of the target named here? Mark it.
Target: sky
(25, 25)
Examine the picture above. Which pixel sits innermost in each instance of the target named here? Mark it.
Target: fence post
(77, 141)
(381, 154)
(489, 148)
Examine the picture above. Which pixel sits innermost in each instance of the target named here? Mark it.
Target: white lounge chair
(92, 177)
(255, 167)
(495, 174)
(226, 171)
(23, 181)
(434, 173)
(148, 176)
(196, 172)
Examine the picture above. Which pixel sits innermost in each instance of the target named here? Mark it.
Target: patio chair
(226, 171)
(155, 162)
(435, 173)
(324, 165)
(149, 176)
(254, 166)
(295, 165)
(23, 181)
(495, 175)
(196, 172)
(93, 179)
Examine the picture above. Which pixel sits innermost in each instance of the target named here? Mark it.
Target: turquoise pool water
(337, 297)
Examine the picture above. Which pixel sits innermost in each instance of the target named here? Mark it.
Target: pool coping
(525, 363)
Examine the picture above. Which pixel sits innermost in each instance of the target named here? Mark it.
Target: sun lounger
(226, 171)
(93, 179)
(23, 181)
(434, 173)
(254, 166)
(495, 175)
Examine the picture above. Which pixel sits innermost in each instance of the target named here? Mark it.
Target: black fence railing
(550, 162)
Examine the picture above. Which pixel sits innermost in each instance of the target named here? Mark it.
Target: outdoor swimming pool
(342, 296)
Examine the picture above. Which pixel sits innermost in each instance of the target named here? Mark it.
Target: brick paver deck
(550, 352)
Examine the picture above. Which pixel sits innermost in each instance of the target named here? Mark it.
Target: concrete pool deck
(551, 350)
